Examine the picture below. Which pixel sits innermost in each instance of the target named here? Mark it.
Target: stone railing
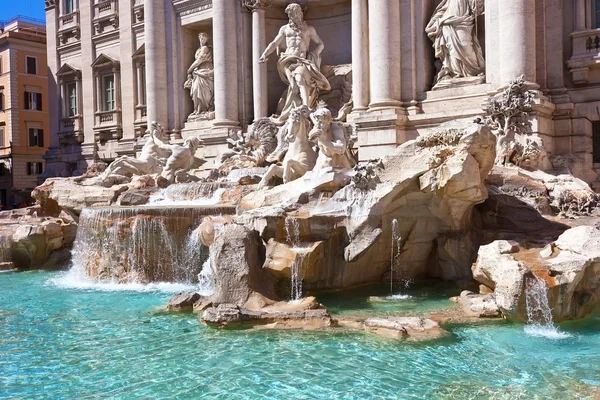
(71, 127)
(68, 26)
(107, 118)
(106, 12)
(107, 125)
(585, 57)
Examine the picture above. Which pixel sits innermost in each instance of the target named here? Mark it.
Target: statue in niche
(300, 156)
(200, 81)
(453, 30)
(331, 140)
(298, 67)
(151, 160)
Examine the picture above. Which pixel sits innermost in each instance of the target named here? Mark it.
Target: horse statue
(300, 157)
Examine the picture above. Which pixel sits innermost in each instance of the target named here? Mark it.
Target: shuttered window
(2, 140)
(34, 168)
(33, 101)
(36, 137)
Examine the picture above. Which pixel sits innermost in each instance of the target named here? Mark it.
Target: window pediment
(104, 61)
(68, 71)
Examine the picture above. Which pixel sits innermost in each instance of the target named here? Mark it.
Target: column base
(379, 131)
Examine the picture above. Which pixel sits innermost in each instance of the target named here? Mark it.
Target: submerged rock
(230, 315)
(183, 301)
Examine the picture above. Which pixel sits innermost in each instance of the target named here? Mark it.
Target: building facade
(24, 118)
(117, 64)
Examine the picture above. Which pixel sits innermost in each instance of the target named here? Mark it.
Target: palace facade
(396, 67)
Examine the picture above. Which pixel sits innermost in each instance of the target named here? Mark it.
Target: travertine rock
(32, 241)
(237, 257)
(570, 267)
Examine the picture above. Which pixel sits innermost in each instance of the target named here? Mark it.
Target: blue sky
(29, 8)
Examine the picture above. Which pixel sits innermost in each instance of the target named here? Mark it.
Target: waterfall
(140, 245)
(292, 229)
(539, 313)
(206, 282)
(396, 240)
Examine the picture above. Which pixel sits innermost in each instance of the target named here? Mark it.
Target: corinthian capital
(252, 5)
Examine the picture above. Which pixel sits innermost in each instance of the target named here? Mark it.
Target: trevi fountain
(462, 263)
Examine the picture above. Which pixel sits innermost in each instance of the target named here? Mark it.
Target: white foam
(399, 297)
(546, 332)
(71, 280)
(159, 200)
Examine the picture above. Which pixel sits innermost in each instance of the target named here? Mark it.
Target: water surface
(63, 342)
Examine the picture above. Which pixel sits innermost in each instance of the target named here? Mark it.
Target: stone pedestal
(379, 131)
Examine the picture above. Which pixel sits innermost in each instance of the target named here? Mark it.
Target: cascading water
(539, 313)
(140, 245)
(395, 261)
(206, 282)
(292, 229)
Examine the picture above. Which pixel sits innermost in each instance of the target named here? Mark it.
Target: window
(108, 82)
(0, 64)
(33, 101)
(2, 98)
(34, 168)
(597, 14)
(31, 65)
(4, 171)
(71, 99)
(2, 142)
(36, 137)
(596, 141)
(69, 7)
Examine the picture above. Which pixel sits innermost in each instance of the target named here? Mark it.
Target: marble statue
(331, 141)
(182, 158)
(453, 30)
(151, 160)
(298, 66)
(200, 81)
(300, 157)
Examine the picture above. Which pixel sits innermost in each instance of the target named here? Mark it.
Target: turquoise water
(66, 343)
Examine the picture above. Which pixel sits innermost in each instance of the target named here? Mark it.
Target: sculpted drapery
(201, 79)
(452, 29)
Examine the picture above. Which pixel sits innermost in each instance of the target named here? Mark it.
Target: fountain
(539, 313)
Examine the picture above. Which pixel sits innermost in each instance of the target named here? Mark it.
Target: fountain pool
(91, 342)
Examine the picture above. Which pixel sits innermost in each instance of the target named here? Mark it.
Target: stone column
(360, 55)
(579, 12)
(226, 63)
(156, 61)
(384, 54)
(517, 40)
(259, 43)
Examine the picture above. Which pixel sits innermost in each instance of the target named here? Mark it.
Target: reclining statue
(182, 157)
(151, 160)
(300, 157)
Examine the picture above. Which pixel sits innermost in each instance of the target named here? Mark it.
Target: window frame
(72, 102)
(27, 58)
(66, 11)
(38, 134)
(2, 136)
(105, 101)
(32, 98)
